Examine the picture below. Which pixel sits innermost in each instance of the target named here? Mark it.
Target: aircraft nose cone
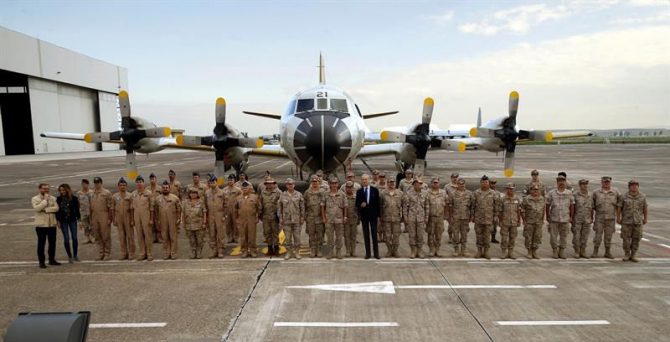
(322, 141)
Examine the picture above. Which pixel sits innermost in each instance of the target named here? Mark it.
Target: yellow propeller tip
(220, 181)
(180, 139)
(220, 101)
(473, 132)
(132, 175)
(259, 143)
(88, 137)
(461, 147)
(384, 135)
(549, 137)
(428, 101)
(514, 94)
(123, 93)
(167, 131)
(509, 173)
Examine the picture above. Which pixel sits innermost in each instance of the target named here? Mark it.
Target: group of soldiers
(229, 213)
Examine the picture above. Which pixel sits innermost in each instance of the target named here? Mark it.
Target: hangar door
(17, 130)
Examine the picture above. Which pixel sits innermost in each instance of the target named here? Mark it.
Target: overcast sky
(576, 64)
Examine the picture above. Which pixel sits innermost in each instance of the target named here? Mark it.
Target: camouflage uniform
(581, 226)
(292, 214)
(351, 226)
(193, 219)
(356, 187)
(314, 201)
(335, 207)
(123, 206)
(269, 205)
(558, 204)
(632, 208)
(201, 189)
(510, 219)
(215, 199)
(533, 210)
(605, 205)
(391, 214)
(450, 188)
(415, 214)
(461, 206)
(485, 209)
(438, 212)
(85, 213)
(542, 186)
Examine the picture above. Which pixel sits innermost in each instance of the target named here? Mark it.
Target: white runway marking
(127, 325)
(484, 287)
(663, 245)
(282, 165)
(385, 287)
(336, 324)
(584, 262)
(493, 262)
(594, 322)
(657, 236)
(401, 262)
(644, 239)
(8, 274)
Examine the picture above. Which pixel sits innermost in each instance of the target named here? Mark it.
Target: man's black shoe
(54, 263)
(43, 266)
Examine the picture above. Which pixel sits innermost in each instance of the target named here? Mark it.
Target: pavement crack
(225, 337)
(460, 299)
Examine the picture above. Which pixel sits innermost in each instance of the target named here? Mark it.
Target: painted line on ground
(336, 324)
(648, 285)
(656, 236)
(644, 239)
(584, 262)
(476, 287)
(401, 262)
(592, 322)
(664, 245)
(282, 165)
(126, 325)
(493, 262)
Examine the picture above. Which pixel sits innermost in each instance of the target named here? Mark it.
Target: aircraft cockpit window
(321, 104)
(305, 105)
(339, 105)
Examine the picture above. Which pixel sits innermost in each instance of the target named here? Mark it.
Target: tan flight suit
(415, 213)
(510, 219)
(461, 205)
(486, 205)
(230, 194)
(335, 206)
(533, 210)
(215, 200)
(101, 204)
(314, 201)
(559, 219)
(438, 212)
(292, 213)
(193, 215)
(155, 228)
(143, 208)
(247, 210)
(175, 188)
(239, 185)
(632, 221)
(604, 204)
(269, 205)
(168, 210)
(541, 186)
(85, 213)
(581, 226)
(391, 215)
(351, 226)
(123, 206)
(450, 188)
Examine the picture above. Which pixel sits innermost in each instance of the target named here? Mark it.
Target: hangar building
(44, 87)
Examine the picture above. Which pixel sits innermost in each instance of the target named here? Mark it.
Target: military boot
(510, 253)
(535, 254)
(582, 253)
(389, 250)
(296, 253)
(338, 253)
(419, 253)
(632, 256)
(214, 254)
(463, 251)
(450, 241)
(555, 255)
(530, 254)
(193, 255)
(437, 252)
(456, 251)
(395, 251)
(503, 255)
(329, 255)
(479, 253)
(608, 255)
(577, 250)
(431, 250)
(412, 253)
(287, 256)
(626, 257)
(318, 251)
(561, 253)
(485, 254)
(595, 252)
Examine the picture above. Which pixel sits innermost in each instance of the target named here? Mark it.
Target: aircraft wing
(269, 150)
(380, 149)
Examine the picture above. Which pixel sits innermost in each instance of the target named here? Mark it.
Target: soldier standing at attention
(560, 210)
(123, 215)
(486, 202)
(230, 193)
(175, 185)
(194, 217)
(155, 189)
(314, 202)
(243, 177)
(605, 202)
(247, 216)
(406, 183)
(143, 219)
(323, 183)
(269, 198)
(391, 215)
(334, 216)
(381, 186)
(415, 214)
(450, 188)
(291, 217)
(632, 215)
(532, 213)
(102, 214)
(168, 214)
(198, 186)
(496, 222)
(351, 225)
(375, 178)
(438, 212)
(215, 200)
(535, 180)
(509, 218)
(351, 177)
(461, 206)
(84, 196)
(581, 221)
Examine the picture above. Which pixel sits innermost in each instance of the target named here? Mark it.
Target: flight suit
(269, 205)
(168, 210)
(415, 213)
(559, 219)
(438, 212)
(230, 194)
(85, 213)
(510, 219)
(391, 215)
(314, 200)
(485, 209)
(193, 219)
(143, 207)
(533, 210)
(581, 226)
(632, 220)
(351, 226)
(335, 205)
(123, 206)
(101, 204)
(215, 200)
(450, 188)
(247, 210)
(461, 205)
(292, 213)
(175, 188)
(604, 204)
(155, 228)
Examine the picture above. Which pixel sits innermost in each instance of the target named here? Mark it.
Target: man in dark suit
(367, 202)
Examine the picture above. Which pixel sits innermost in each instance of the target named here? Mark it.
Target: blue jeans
(70, 228)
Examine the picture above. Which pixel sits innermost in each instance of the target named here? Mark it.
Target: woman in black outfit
(68, 216)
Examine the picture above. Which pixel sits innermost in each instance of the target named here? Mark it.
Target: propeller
(131, 133)
(221, 140)
(508, 134)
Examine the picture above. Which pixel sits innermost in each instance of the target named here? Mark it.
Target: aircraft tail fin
(479, 117)
(322, 70)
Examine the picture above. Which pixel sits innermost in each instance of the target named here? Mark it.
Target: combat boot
(626, 257)
(632, 256)
(412, 253)
(595, 252)
(577, 250)
(296, 253)
(437, 252)
(318, 252)
(535, 254)
(503, 255)
(431, 250)
(530, 254)
(479, 253)
(389, 250)
(395, 251)
(338, 253)
(555, 255)
(561, 253)
(463, 251)
(510, 253)
(582, 253)
(214, 254)
(329, 255)
(193, 254)
(198, 253)
(419, 253)
(288, 255)
(608, 255)
(456, 251)
(312, 253)
(485, 254)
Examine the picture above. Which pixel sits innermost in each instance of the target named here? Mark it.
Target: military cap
(196, 173)
(319, 172)
(409, 171)
(152, 175)
(333, 180)
(391, 180)
(560, 178)
(349, 184)
(583, 181)
(460, 181)
(416, 180)
(97, 180)
(171, 172)
(165, 183)
(289, 181)
(562, 173)
(435, 179)
(269, 180)
(231, 176)
(633, 181)
(484, 178)
(350, 174)
(122, 181)
(509, 186)
(314, 178)
(375, 172)
(534, 172)
(213, 179)
(493, 181)
(190, 190)
(606, 178)
(454, 175)
(245, 184)
(139, 179)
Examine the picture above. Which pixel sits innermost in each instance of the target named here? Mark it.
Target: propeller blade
(220, 110)
(513, 105)
(220, 172)
(124, 104)
(419, 167)
(131, 166)
(158, 132)
(427, 113)
(509, 164)
(546, 136)
(451, 145)
(189, 140)
(390, 136)
(250, 142)
(98, 137)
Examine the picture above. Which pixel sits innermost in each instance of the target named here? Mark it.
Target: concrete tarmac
(392, 299)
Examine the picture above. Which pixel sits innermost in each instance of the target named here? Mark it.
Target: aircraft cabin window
(321, 104)
(305, 105)
(339, 105)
